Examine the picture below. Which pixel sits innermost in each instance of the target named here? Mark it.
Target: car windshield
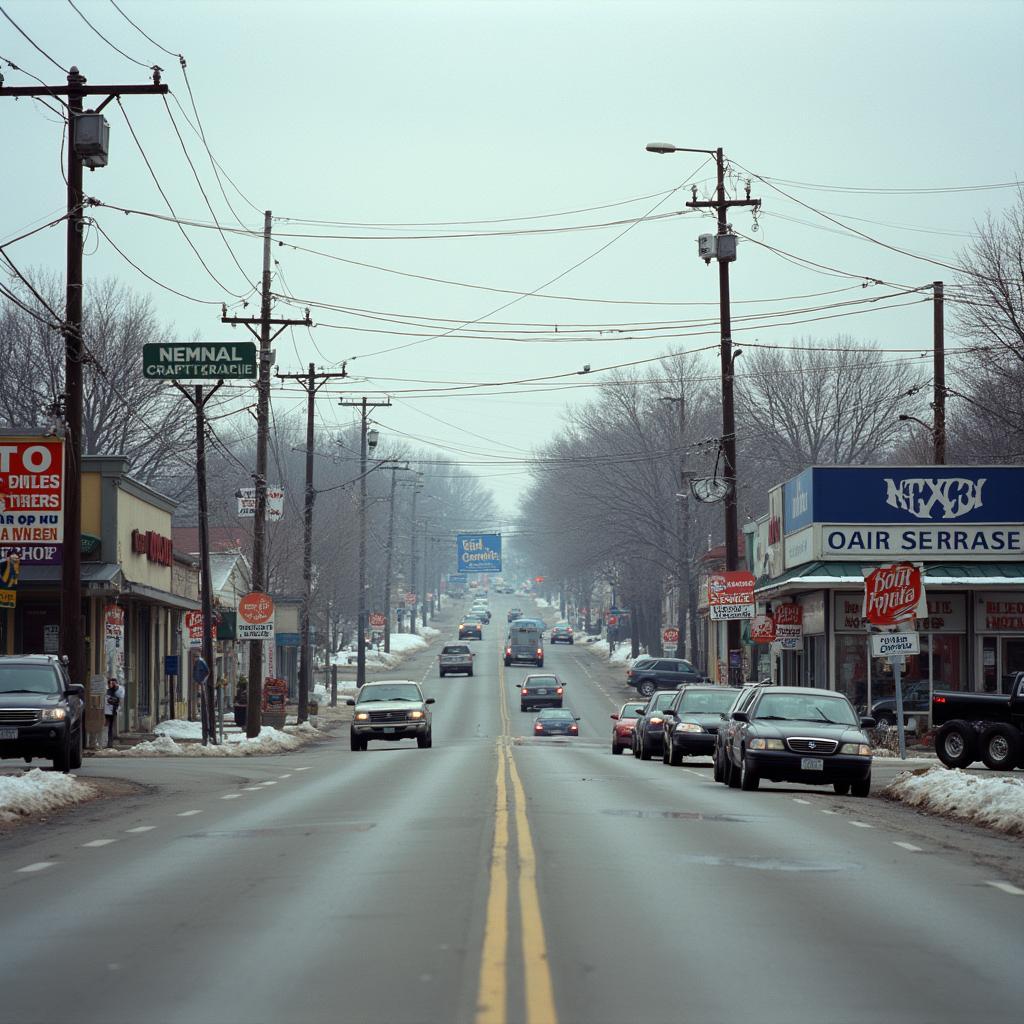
(800, 707)
(630, 710)
(555, 713)
(28, 679)
(389, 691)
(707, 701)
(662, 700)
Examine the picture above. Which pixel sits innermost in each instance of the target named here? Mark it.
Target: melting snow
(37, 791)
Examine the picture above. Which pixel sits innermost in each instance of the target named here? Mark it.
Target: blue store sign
(478, 552)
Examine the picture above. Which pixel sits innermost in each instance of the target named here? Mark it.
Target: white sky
(378, 113)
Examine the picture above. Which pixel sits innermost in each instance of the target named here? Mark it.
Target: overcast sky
(370, 121)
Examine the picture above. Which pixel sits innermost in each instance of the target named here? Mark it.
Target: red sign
(154, 546)
(612, 620)
(32, 499)
(538, 579)
(894, 594)
(762, 629)
(788, 615)
(256, 608)
(670, 635)
(731, 595)
(378, 620)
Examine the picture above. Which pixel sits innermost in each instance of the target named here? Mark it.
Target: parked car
(524, 643)
(556, 722)
(646, 675)
(392, 709)
(648, 731)
(471, 628)
(540, 691)
(800, 734)
(692, 720)
(625, 719)
(41, 711)
(727, 726)
(985, 725)
(455, 658)
(916, 701)
(561, 633)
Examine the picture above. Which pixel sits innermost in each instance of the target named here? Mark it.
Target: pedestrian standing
(114, 696)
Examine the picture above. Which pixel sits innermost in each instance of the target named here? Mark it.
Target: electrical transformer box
(92, 137)
(716, 247)
(706, 248)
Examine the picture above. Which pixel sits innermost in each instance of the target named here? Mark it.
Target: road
(498, 877)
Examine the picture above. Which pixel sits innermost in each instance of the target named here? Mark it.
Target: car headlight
(655, 720)
(362, 716)
(53, 714)
(766, 744)
(416, 714)
(860, 749)
(689, 727)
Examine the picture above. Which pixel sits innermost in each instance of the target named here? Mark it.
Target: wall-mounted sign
(32, 499)
(762, 629)
(789, 626)
(155, 547)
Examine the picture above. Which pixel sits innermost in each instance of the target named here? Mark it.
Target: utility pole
(259, 565)
(683, 609)
(311, 382)
(725, 254)
(72, 632)
(417, 487)
(389, 561)
(365, 442)
(209, 721)
(939, 374)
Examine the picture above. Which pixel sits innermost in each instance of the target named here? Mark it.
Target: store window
(1000, 618)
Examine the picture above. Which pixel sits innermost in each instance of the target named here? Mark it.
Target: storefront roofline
(93, 574)
(157, 596)
(817, 575)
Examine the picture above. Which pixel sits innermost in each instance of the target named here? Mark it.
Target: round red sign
(670, 635)
(378, 620)
(256, 608)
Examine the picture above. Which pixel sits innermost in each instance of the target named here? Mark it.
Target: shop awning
(96, 574)
(158, 596)
(849, 574)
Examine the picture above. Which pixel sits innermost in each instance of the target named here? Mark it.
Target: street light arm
(666, 147)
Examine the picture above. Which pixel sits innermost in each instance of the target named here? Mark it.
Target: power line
(33, 43)
(139, 30)
(149, 67)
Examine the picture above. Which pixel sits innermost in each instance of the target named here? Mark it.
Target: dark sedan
(561, 633)
(471, 628)
(648, 731)
(540, 691)
(556, 722)
(800, 734)
(692, 721)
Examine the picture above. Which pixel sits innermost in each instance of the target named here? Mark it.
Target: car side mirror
(350, 702)
(430, 700)
(75, 690)
(614, 718)
(669, 712)
(576, 718)
(740, 716)
(868, 723)
(639, 714)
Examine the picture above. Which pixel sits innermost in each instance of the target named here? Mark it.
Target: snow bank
(38, 791)
(269, 741)
(622, 655)
(996, 802)
(425, 631)
(540, 602)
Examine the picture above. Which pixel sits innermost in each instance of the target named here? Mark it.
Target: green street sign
(202, 360)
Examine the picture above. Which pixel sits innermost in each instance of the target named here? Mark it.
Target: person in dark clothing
(115, 694)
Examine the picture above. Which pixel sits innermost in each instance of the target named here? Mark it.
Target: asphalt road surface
(498, 877)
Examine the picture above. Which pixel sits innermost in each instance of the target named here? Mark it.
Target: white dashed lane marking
(797, 800)
(252, 789)
(826, 811)
(288, 776)
(188, 814)
(861, 824)
(141, 828)
(231, 796)
(907, 846)
(41, 866)
(1004, 886)
(99, 842)
(304, 769)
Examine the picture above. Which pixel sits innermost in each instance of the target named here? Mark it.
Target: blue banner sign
(478, 552)
(798, 502)
(456, 579)
(288, 639)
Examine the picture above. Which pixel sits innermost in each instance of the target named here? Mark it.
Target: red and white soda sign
(193, 628)
(670, 635)
(789, 626)
(762, 629)
(256, 616)
(894, 594)
(731, 595)
(378, 620)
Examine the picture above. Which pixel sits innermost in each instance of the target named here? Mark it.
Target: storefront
(964, 526)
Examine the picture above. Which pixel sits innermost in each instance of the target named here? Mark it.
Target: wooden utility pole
(72, 634)
(732, 554)
(311, 382)
(364, 442)
(683, 591)
(939, 374)
(389, 561)
(259, 567)
(209, 720)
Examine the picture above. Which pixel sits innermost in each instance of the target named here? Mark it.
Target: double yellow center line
(493, 988)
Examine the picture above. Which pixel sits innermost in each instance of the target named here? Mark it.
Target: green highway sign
(203, 360)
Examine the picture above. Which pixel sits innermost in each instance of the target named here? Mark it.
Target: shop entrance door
(1002, 657)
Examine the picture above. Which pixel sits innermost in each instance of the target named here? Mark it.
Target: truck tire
(956, 744)
(1000, 747)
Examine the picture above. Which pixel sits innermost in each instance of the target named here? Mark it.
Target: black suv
(649, 674)
(41, 711)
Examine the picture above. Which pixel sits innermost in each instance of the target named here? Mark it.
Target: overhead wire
(33, 43)
(106, 40)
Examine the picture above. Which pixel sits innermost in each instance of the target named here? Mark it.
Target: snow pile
(995, 802)
(622, 655)
(425, 631)
(37, 791)
(408, 643)
(269, 741)
(541, 603)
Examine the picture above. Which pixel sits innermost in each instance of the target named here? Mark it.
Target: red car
(625, 720)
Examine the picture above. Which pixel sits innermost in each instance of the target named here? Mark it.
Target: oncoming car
(393, 709)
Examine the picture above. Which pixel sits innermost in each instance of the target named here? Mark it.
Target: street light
(724, 254)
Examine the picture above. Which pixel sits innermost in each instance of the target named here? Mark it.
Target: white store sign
(891, 645)
(963, 541)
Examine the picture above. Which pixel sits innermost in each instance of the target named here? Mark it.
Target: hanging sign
(731, 595)
(247, 503)
(894, 594)
(10, 567)
(762, 629)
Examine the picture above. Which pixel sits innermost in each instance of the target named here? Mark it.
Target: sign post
(893, 595)
(670, 640)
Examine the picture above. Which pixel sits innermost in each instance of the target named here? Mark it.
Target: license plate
(389, 728)
(812, 764)
(8, 734)
(542, 693)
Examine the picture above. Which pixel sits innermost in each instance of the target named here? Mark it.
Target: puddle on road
(768, 863)
(630, 812)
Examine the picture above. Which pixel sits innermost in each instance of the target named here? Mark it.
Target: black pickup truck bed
(989, 726)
